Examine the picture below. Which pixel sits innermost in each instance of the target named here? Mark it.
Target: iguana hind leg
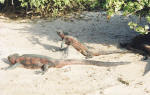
(87, 54)
(44, 69)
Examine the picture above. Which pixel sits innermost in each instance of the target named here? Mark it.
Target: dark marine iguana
(69, 40)
(34, 61)
(139, 44)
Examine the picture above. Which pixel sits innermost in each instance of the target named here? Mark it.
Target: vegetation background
(56, 8)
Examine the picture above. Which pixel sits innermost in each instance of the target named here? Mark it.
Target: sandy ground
(39, 37)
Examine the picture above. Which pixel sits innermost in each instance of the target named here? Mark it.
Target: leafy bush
(2, 1)
(140, 8)
(52, 7)
(58, 6)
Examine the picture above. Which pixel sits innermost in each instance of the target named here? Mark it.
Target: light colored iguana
(33, 61)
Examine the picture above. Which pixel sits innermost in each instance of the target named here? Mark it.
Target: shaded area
(147, 68)
(93, 28)
(140, 44)
(46, 46)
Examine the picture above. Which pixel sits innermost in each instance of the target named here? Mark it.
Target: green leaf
(148, 19)
(110, 12)
(2, 1)
(146, 27)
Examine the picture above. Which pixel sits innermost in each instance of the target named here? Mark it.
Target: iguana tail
(62, 63)
(107, 52)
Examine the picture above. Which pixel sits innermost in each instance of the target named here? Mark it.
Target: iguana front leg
(66, 51)
(62, 48)
(62, 44)
(13, 66)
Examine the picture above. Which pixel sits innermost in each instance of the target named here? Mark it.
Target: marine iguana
(69, 40)
(33, 61)
(139, 44)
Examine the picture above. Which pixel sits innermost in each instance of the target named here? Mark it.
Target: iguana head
(61, 33)
(12, 58)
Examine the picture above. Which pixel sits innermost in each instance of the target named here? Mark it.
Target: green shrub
(2, 1)
(58, 6)
(53, 7)
(140, 8)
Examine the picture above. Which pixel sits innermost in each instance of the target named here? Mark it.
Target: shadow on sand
(147, 67)
(95, 30)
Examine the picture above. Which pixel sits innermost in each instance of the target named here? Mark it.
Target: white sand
(39, 37)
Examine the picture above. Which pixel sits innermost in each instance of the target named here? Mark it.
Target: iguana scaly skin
(69, 40)
(139, 44)
(33, 61)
